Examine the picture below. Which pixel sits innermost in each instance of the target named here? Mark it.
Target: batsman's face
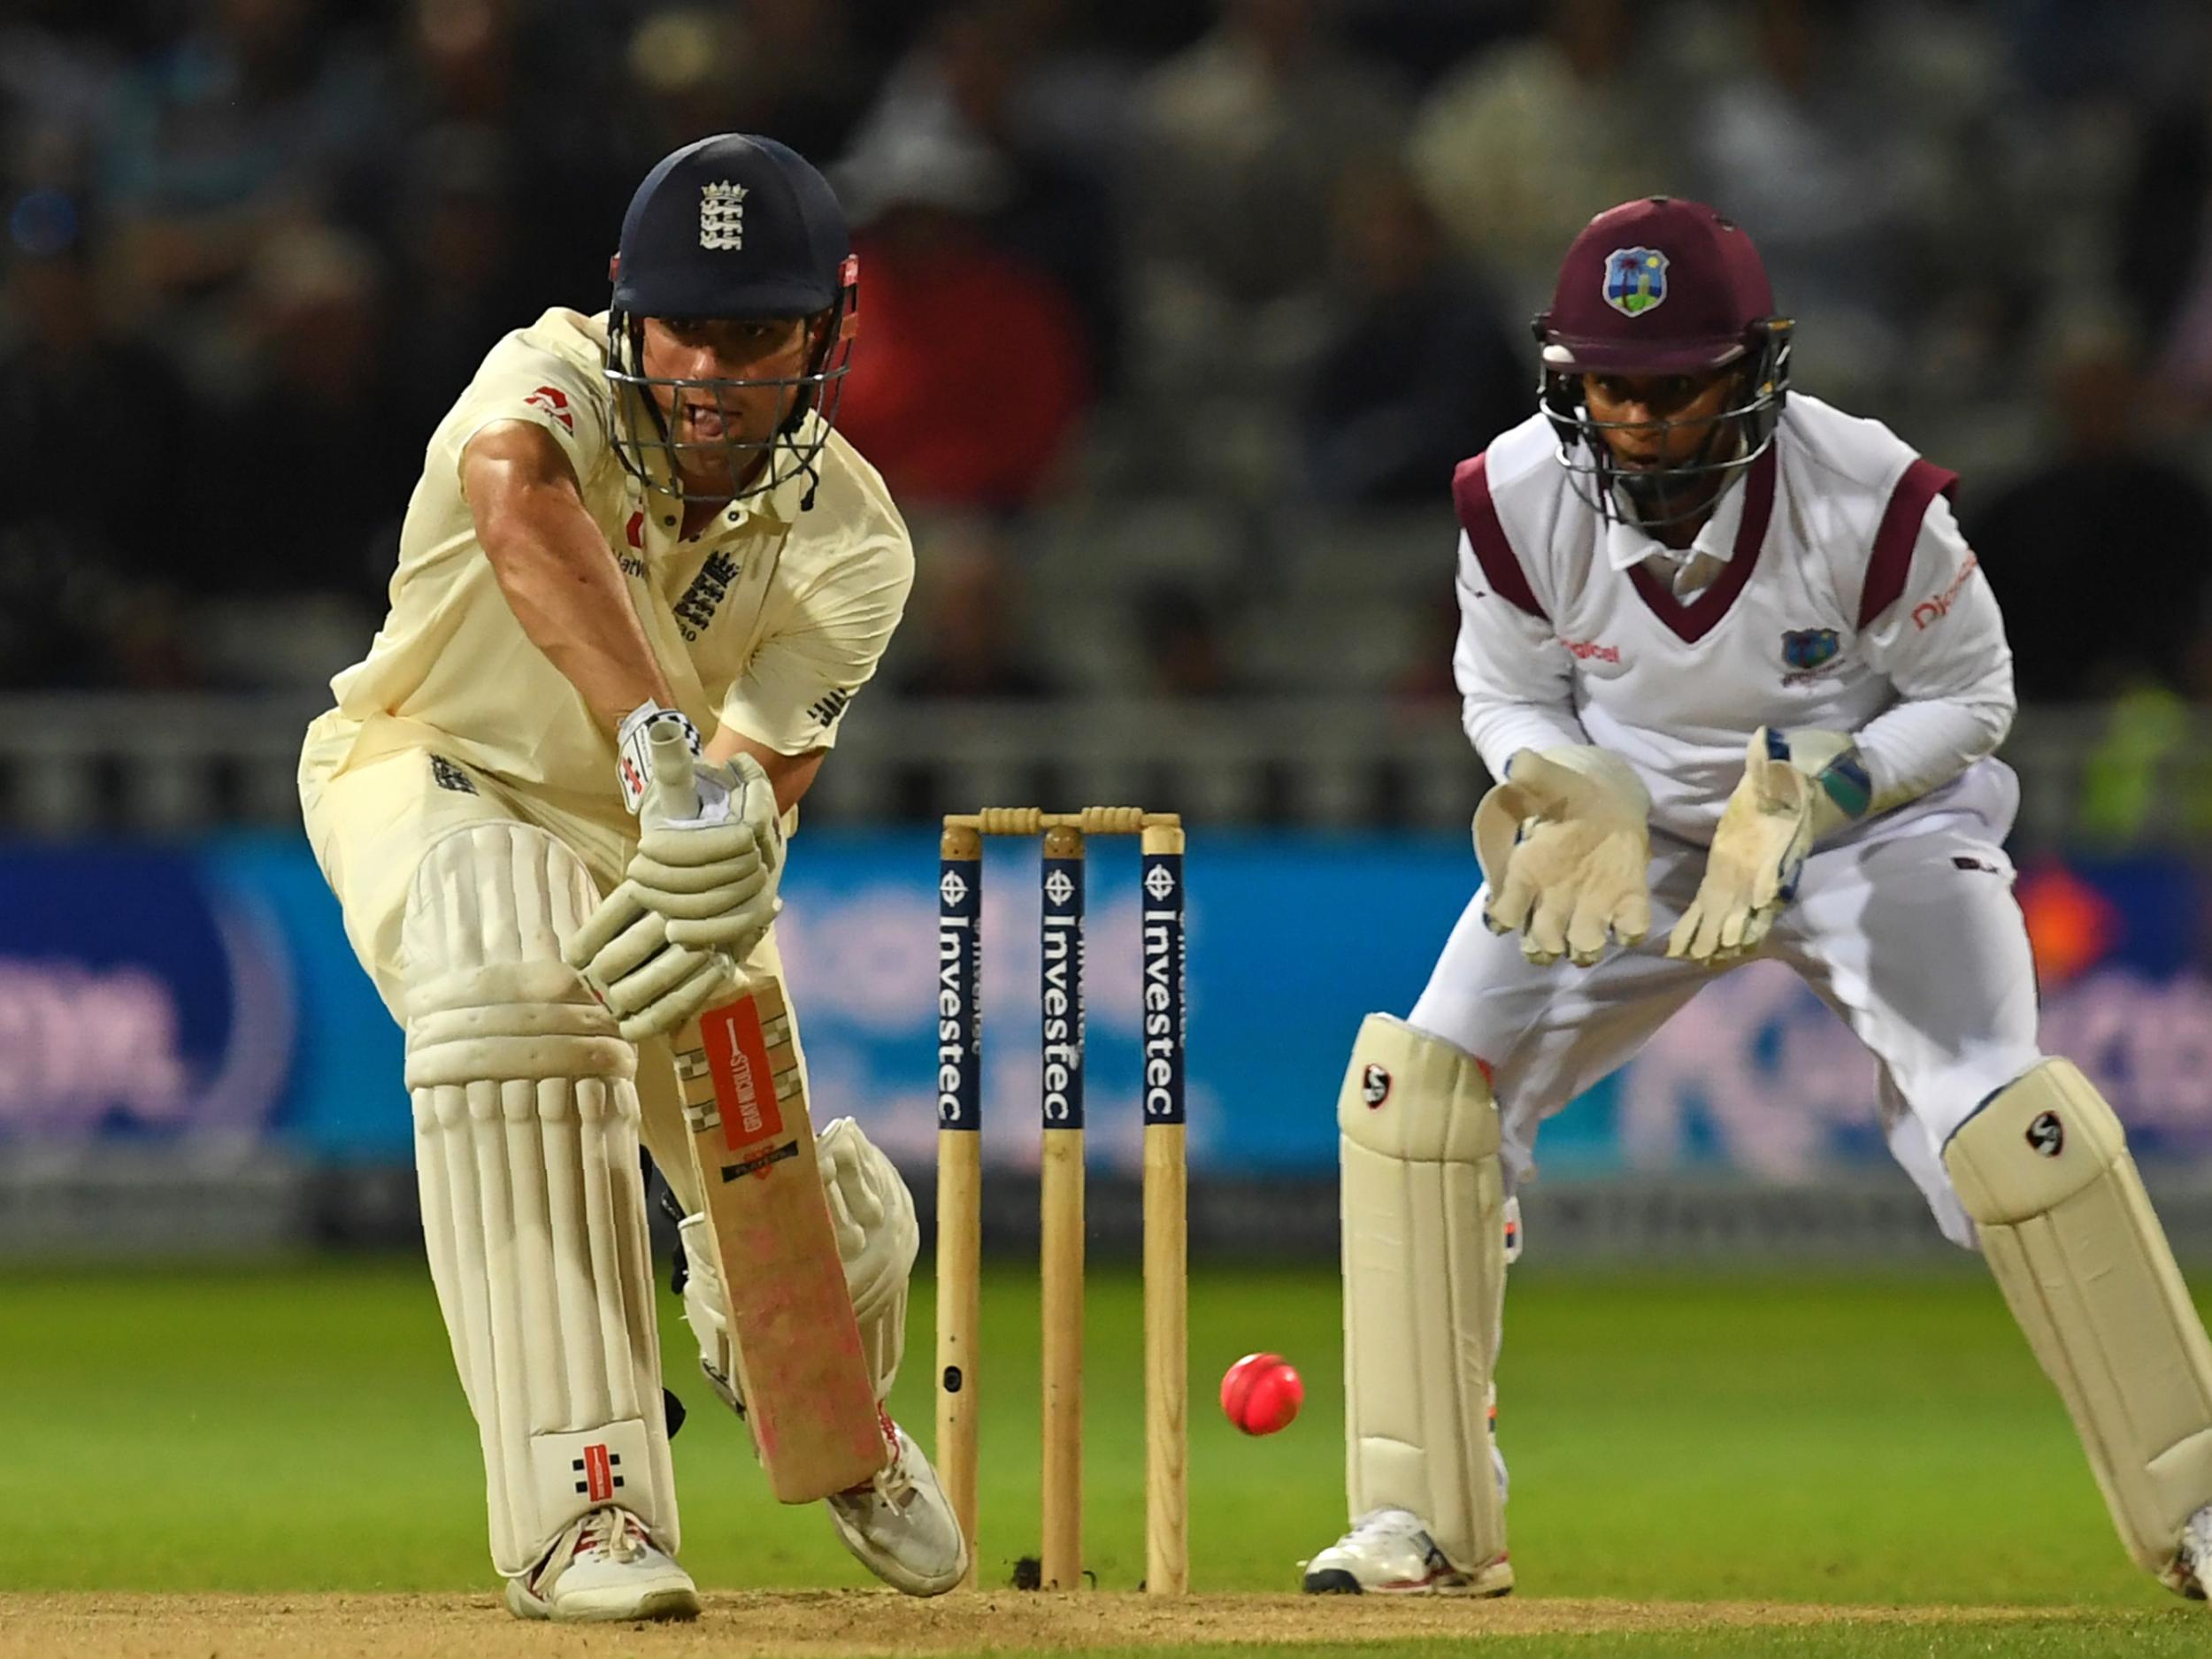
(705, 420)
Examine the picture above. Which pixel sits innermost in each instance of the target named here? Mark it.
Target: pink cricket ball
(1261, 1393)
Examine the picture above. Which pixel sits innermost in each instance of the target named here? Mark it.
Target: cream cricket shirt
(769, 621)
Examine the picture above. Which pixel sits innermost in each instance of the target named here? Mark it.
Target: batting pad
(1424, 1215)
(533, 1200)
(2043, 1168)
(873, 1215)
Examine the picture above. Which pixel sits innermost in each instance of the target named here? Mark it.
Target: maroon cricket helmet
(1657, 286)
(1662, 286)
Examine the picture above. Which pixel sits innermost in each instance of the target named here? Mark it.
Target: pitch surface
(277, 1460)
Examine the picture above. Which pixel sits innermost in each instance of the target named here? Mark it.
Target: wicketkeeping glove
(1566, 850)
(1797, 787)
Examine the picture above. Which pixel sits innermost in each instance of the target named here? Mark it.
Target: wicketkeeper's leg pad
(2043, 1168)
(533, 1200)
(1423, 1236)
(873, 1215)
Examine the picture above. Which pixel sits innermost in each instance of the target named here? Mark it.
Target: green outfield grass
(1816, 1439)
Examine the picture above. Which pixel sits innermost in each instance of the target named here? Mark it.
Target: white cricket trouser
(1913, 937)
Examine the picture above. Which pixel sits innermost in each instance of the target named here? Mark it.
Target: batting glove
(699, 893)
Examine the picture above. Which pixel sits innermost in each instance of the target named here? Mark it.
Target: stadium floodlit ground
(266, 1460)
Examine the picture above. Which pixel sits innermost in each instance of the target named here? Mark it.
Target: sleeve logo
(555, 403)
(1940, 607)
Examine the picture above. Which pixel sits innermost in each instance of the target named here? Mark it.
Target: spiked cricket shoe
(900, 1526)
(605, 1568)
(2191, 1575)
(1389, 1552)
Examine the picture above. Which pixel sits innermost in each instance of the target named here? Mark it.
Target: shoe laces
(613, 1533)
(1378, 1523)
(891, 1483)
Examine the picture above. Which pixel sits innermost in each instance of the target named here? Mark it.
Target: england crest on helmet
(1635, 280)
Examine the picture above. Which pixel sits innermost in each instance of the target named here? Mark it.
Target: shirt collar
(1626, 544)
(779, 505)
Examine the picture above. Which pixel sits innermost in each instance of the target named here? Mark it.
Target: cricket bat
(809, 1398)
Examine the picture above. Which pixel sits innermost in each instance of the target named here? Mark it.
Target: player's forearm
(568, 593)
(1946, 657)
(1923, 744)
(1500, 726)
(790, 775)
(1514, 691)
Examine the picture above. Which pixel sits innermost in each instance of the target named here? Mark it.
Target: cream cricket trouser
(455, 895)
(408, 827)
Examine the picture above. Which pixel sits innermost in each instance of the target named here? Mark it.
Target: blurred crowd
(1176, 314)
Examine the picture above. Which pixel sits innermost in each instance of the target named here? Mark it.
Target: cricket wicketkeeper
(1742, 681)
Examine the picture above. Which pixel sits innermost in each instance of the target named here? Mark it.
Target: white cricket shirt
(1844, 598)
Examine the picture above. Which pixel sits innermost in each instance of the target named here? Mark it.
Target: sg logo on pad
(1374, 1084)
(2047, 1134)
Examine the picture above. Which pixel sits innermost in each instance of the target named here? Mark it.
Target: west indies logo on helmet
(735, 227)
(1662, 289)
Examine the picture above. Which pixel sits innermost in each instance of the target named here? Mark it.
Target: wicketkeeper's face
(1653, 421)
(744, 380)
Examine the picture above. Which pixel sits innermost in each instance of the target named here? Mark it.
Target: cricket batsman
(633, 528)
(1741, 680)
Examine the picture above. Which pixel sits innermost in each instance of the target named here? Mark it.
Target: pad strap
(524, 1019)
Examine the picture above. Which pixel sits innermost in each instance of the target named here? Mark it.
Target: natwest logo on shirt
(1591, 651)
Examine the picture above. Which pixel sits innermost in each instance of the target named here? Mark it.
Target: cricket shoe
(1389, 1552)
(900, 1526)
(2191, 1575)
(603, 1568)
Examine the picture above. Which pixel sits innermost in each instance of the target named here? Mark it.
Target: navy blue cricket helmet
(731, 226)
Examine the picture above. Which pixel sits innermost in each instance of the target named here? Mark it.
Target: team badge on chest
(705, 594)
(1804, 650)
